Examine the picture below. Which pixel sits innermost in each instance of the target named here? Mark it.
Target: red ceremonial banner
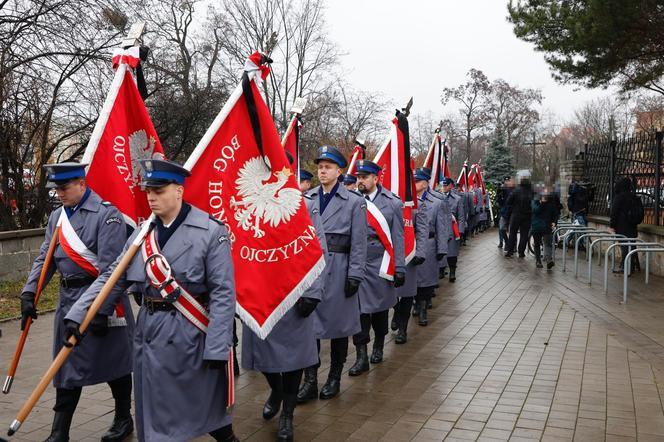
(241, 176)
(396, 175)
(124, 135)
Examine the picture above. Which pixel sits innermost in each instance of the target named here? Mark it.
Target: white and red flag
(433, 160)
(480, 179)
(241, 176)
(462, 181)
(380, 225)
(358, 153)
(123, 135)
(445, 161)
(397, 175)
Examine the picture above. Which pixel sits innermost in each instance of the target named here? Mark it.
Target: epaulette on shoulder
(221, 223)
(356, 193)
(106, 203)
(306, 196)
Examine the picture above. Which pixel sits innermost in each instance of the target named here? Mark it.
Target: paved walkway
(511, 352)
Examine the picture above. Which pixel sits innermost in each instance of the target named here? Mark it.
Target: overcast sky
(417, 47)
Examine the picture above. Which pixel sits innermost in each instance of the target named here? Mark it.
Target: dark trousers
(451, 262)
(377, 321)
(425, 293)
(634, 260)
(402, 310)
(66, 399)
(520, 225)
(288, 382)
(338, 351)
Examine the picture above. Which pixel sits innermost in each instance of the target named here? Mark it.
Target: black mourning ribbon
(251, 107)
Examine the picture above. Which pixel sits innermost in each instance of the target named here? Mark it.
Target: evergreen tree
(498, 161)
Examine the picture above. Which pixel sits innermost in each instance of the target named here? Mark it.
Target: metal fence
(639, 158)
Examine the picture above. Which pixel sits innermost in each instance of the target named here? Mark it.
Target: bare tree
(473, 98)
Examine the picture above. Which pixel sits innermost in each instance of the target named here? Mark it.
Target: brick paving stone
(511, 353)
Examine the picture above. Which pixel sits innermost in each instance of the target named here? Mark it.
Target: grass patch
(10, 301)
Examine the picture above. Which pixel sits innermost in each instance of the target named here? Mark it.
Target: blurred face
(71, 193)
(305, 185)
(447, 187)
(366, 183)
(421, 186)
(165, 201)
(328, 172)
(349, 186)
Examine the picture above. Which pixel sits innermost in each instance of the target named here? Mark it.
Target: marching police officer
(305, 179)
(438, 219)
(337, 317)
(289, 348)
(407, 292)
(454, 205)
(91, 233)
(182, 349)
(376, 293)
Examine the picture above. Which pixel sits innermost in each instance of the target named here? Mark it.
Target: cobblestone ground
(511, 352)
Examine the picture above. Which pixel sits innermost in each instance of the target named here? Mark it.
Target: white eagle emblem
(268, 202)
(141, 148)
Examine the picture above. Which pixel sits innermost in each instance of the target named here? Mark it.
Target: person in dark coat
(344, 217)
(377, 293)
(626, 215)
(520, 214)
(545, 216)
(90, 239)
(503, 221)
(180, 366)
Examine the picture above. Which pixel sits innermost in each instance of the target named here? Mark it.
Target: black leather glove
(28, 309)
(99, 325)
(216, 365)
(306, 306)
(138, 298)
(418, 260)
(399, 279)
(352, 285)
(440, 256)
(71, 329)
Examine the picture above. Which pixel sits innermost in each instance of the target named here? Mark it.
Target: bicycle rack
(579, 229)
(559, 229)
(613, 246)
(628, 261)
(601, 233)
(617, 238)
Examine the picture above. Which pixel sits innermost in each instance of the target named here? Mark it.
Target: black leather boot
(61, 425)
(309, 388)
(394, 325)
(423, 321)
(361, 363)
(273, 403)
(377, 353)
(285, 432)
(452, 273)
(123, 425)
(402, 336)
(333, 383)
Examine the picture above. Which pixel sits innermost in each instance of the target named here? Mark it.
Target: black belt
(160, 305)
(337, 242)
(76, 283)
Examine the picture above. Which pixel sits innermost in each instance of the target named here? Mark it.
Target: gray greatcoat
(97, 359)
(439, 230)
(463, 211)
(453, 203)
(345, 216)
(376, 293)
(409, 289)
(291, 344)
(178, 395)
